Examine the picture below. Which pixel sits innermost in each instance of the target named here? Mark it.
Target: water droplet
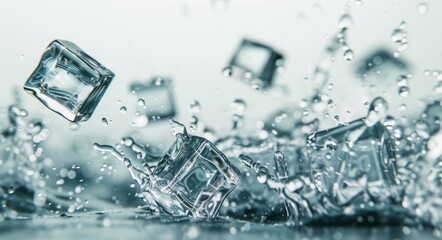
(330, 86)
(195, 107)
(262, 176)
(177, 128)
(348, 55)
(123, 110)
(227, 71)
(404, 91)
(140, 121)
(238, 107)
(74, 126)
(158, 81)
(141, 102)
(106, 221)
(345, 21)
(377, 111)
(423, 129)
(422, 8)
(104, 121)
(11, 190)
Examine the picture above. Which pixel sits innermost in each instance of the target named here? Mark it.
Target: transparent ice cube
(381, 65)
(193, 178)
(68, 81)
(350, 159)
(256, 62)
(158, 97)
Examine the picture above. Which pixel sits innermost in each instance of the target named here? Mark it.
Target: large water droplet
(377, 111)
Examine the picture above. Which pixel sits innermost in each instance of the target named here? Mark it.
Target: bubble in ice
(422, 8)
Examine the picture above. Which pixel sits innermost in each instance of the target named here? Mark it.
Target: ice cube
(381, 65)
(157, 96)
(193, 178)
(256, 63)
(68, 81)
(348, 159)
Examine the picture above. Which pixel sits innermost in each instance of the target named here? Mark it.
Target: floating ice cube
(358, 157)
(381, 65)
(193, 178)
(68, 81)
(156, 97)
(256, 63)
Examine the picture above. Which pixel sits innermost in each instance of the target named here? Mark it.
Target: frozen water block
(256, 62)
(158, 98)
(381, 65)
(350, 159)
(68, 81)
(193, 178)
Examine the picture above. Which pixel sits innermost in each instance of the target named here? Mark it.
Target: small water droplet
(348, 55)
(227, 71)
(195, 107)
(378, 110)
(423, 129)
(262, 176)
(123, 110)
(141, 102)
(74, 126)
(104, 121)
(345, 21)
(404, 91)
(238, 107)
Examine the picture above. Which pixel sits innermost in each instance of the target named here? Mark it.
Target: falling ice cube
(350, 159)
(68, 81)
(193, 178)
(381, 65)
(156, 98)
(256, 63)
